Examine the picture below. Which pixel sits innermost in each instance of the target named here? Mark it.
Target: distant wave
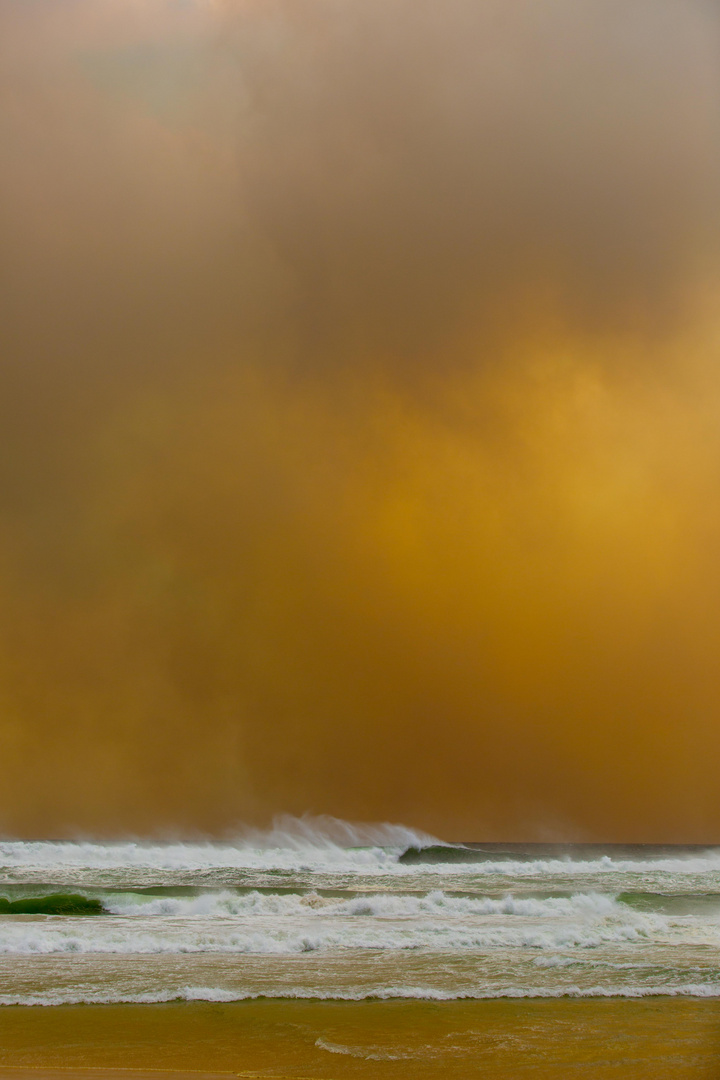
(443, 853)
(309, 845)
(289, 844)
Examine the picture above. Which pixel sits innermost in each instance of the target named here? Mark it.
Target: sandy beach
(658, 1039)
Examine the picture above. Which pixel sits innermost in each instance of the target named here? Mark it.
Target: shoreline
(439, 998)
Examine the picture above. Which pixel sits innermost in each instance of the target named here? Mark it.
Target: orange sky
(360, 413)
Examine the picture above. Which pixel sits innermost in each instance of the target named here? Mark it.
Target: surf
(54, 904)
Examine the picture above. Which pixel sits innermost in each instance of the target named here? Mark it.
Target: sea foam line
(377, 905)
(418, 993)
(33, 939)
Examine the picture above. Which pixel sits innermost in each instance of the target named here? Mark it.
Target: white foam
(141, 862)
(377, 906)
(290, 924)
(385, 993)
(555, 961)
(368, 1053)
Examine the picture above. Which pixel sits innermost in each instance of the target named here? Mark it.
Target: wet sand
(649, 1039)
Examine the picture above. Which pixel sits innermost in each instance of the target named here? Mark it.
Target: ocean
(321, 951)
(384, 913)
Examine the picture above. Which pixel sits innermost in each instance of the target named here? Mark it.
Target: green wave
(452, 853)
(57, 904)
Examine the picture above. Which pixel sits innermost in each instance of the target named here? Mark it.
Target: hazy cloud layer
(359, 408)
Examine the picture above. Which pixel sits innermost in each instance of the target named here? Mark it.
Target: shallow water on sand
(656, 1039)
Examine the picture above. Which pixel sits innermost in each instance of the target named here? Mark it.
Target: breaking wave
(290, 924)
(290, 843)
(376, 906)
(329, 845)
(54, 904)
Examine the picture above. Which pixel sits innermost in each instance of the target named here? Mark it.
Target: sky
(359, 407)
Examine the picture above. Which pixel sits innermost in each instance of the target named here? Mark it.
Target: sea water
(305, 912)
